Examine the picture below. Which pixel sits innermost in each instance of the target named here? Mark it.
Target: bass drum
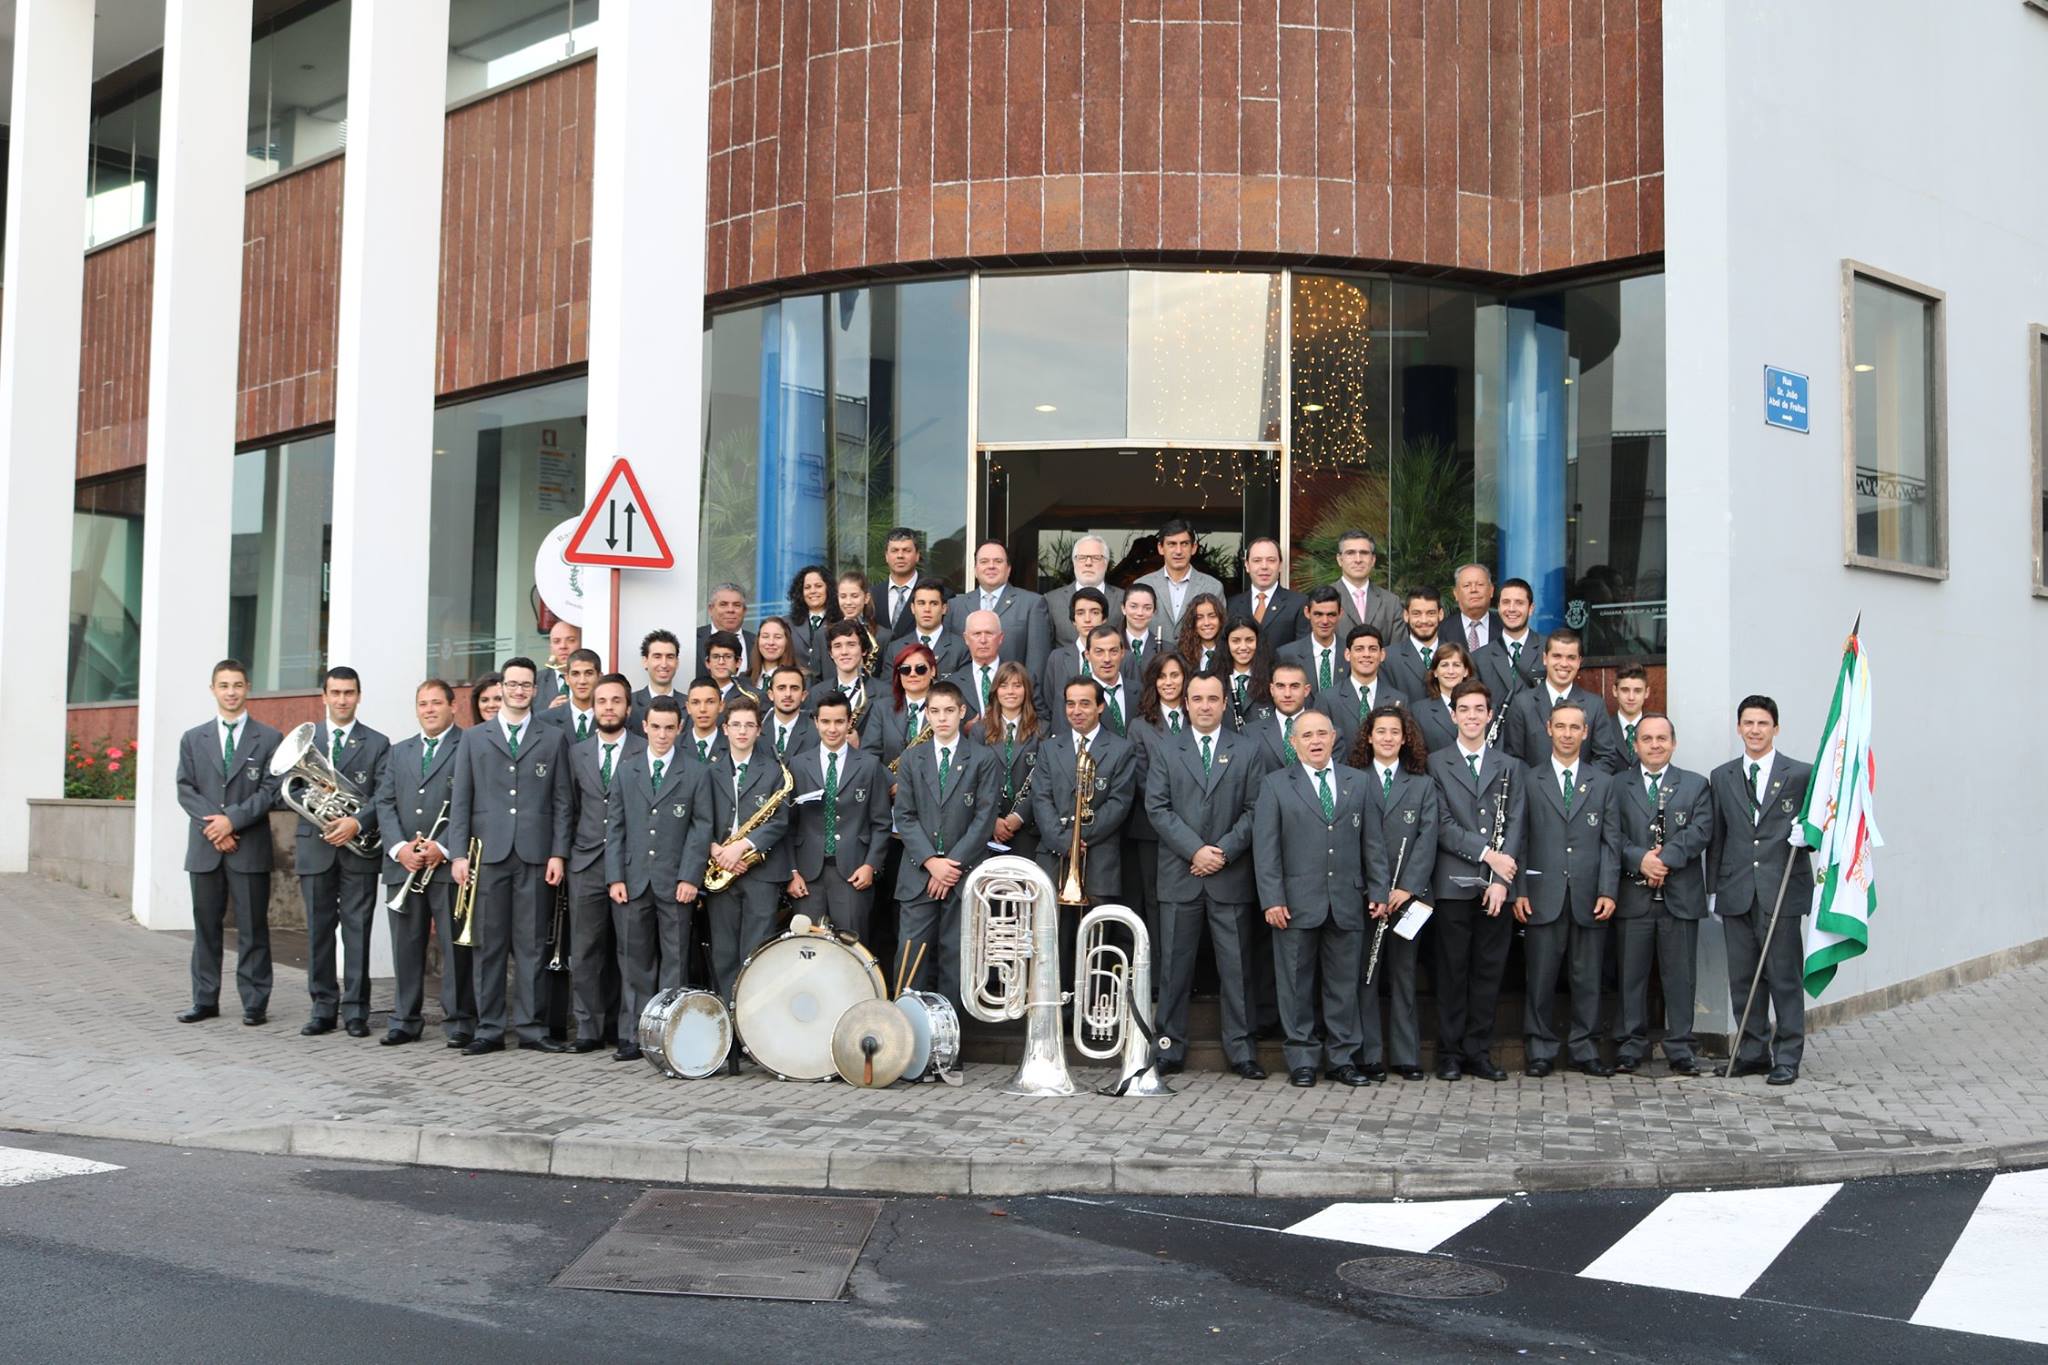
(685, 1034)
(788, 997)
(935, 1055)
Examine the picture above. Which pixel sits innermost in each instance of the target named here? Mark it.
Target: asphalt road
(189, 1254)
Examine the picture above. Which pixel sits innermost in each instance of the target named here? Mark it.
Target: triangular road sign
(619, 529)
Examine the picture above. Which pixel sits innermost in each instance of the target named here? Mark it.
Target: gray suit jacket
(1571, 860)
(863, 813)
(1749, 847)
(1382, 609)
(1027, 627)
(1167, 619)
(516, 806)
(245, 795)
(362, 763)
(1314, 867)
(1343, 705)
(591, 800)
(1262, 731)
(409, 803)
(1466, 807)
(1284, 621)
(1403, 665)
(1526, 733)
(686, 746)
(658, 838)
(1498, 668)
(803, 735)
(1439, 727)
(1059, 607)
(1190, 808)
(704, 634)
(1688, 835)
(1052, 806)
(955, 824)
(950, 649)
(563, 718)
(1410, 811)
(1304, 651)
(771, 838)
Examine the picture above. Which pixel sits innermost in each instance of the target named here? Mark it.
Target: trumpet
(1114, 988)
(465, 896)
(1073, 882)
(417, 882)
(1010, 965)
(717, 878)
(315, 788)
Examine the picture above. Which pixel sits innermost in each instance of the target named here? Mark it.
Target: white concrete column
(194, 337)
(39, 330)
(647, 299)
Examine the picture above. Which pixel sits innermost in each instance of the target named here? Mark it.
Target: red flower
(113, 767)
(86, 761)
(134, 744)
(113, 751)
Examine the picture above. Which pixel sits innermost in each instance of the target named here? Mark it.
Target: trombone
(465, 895)
(416, 882)
(1074, 880)
(1113, 990)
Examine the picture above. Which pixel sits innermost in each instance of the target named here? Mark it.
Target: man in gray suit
(946, 811)
(1663, 893)
(1526, 733)
(1758, 800)
(224, 784)
(1086, 610)
(727, 610)
(1476, 623)
(512, 792)
(417, 792)
(1573, 864)
(1027, 630)
(928, 628)
(1271, 727)
(595, 972)
(841, 837)
(577, 717)
(1365, 602)
(1512, 657)
(551, 684)
(1091, 562)
(785, 729)
(1410, 653)
(338, 885)
(1480, 836)
(1201, 794)
(1268, 603)
(1362, 689)
(1309, 846)
(743, 781)
(1053, 792)
(1177, 583)
(655, 855)
(1320, 651)
(1401, 833)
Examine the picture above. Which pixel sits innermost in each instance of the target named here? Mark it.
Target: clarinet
(1498, 840)
(1657, 841)
(1379, 933)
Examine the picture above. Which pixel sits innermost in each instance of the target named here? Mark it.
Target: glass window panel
(1442, 506)
(106, 590)
(495, 42)
(1892, 379)
(282, 510)
(1053, 356)
(121, 168)
(2041, 458)
(1340, 472)
(1205, 355)
(508, 470)
(298, 87)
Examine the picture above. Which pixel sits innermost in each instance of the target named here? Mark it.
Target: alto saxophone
(717, 878)
(1073, 885)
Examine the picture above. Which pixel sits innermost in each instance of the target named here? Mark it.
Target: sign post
(618, 531)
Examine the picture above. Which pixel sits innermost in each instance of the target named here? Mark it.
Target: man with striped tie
(976, 679)
(1631, 695)
(1320, 652)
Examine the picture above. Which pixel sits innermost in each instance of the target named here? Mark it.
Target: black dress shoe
(1349, 1075)
(1782, 1075)
(628, 1052)
(1596, 1067)
(315, 1027)
(1409, 1073)
(395, 1037)
(1625, 1066)
(254, 1017)
(542, 1044)
(1540, 1068)
(1447, 1070)
(583, 1045)
(1303, 1076)
(1686, 1066)
(197, 1013)
(459, 1040)
(1738, 1069)
(1251, 1071)
(1375, 1073)
(1172, 1068)
(1484, 1069)
(356, 1028)
(478, 1047)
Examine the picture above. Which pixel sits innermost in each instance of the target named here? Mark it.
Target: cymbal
(872, 1044)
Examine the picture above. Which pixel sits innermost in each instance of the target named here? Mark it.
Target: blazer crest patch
(362, 777)
(1408, 817)
(1592, 819)
(1681, 816)
(680, 809)
(255, 772)
(860, 793)
(1355, 820)
(540, 770)
(1787, 805)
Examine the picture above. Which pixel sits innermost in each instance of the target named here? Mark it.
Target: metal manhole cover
(1420, 1277)
(746, 1246)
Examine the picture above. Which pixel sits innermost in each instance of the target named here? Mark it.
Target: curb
(598, 1158)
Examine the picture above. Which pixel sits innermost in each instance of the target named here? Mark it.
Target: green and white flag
(1840, 824)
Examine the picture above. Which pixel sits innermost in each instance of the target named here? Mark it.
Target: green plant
(1421, 510)
(100, 771)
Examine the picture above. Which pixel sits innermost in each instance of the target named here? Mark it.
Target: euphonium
(315, 788)
(1010, 965)
(1113, 991)
(465, 896)
(717, 878)
(1074, 880)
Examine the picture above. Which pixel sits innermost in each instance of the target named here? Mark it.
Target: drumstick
(915, 963)
(902, 959)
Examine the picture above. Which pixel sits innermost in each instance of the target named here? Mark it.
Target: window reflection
(1053, 353)
(495, 42)
(1205, 353)
(1891, 378)
(121, 168)
(282, 513)
(106, 590)
(298, 87)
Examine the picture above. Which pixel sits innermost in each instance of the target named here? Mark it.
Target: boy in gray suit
(743, 781)
(1663, 892)
(842, 822)
(224, 784)
(945, 810)
(594, 965)
(419, 779)
(338, 885)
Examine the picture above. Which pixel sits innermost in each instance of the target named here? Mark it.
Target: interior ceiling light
(1862, 368)
(1311, 407)
(1046, 407)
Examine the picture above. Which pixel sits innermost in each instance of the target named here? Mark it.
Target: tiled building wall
(291, 300)
(113, 357)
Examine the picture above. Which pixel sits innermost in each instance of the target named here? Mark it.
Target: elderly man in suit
(1401, 832)
(1273, 606)
(1310, 850)
(1476, 624)
(1526, 733)
(743, 781)
(595, 971)
(1027, 629)
(841, 836)
(1565, 893)
(1091, 562)
(1177, 583)
(655, 855)
(1479, 847)
(1410, 652)
(727, 609)
(224, 784)
(417, 793)
(1201, 794)
(945, 810)
(1665, 820)
(337, 883)
(1512, 657)
(512, 792)
(1758, 801)
(1365, 603)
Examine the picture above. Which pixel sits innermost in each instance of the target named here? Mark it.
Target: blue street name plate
(1785, 399)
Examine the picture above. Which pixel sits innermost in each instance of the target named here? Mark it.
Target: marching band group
(1285, 775)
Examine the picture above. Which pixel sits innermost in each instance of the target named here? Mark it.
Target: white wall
(1904, 136)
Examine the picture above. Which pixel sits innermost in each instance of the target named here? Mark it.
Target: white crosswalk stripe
(1402, 1227)
(20, 1166)
(1711, 1242)
(1992, 1280)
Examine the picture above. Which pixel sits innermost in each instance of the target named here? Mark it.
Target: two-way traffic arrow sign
(618, 529)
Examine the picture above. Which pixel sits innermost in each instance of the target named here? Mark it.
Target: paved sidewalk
(88, 1045)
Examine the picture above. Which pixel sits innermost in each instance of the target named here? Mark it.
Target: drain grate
(1420, 1277)
(743, 1246)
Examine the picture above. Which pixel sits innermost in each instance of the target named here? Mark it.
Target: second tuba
(1113, 990)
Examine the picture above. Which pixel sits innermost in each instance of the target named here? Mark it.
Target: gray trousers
(1298, 955)
(1140, 877)
(593, 956)
(1403, 1047)
(343, 898)
(1471, 958)
(936, 926)
(213, 893)
(1782, 992)
(1180, 939)
(833, 899)
(514, 905)
(674, 936)
(432, 910)
(742, 919)
(637, 930)
(1673, 943)
(1562, 945)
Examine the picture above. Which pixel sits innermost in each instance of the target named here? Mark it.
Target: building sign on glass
(1785, 399)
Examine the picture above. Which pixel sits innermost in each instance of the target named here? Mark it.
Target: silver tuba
(1114, 988)
(315, 788)
(1010, 965)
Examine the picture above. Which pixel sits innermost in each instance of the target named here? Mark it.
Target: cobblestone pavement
(88, 1044)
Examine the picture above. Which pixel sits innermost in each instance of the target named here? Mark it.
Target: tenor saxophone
(717, 878)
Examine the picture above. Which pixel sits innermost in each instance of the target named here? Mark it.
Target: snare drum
(685, 1034)
(789, 995)
(936, 1053)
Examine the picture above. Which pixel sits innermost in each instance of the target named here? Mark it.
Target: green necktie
(1655, 780)
(831, 804)
(1009, 762)
(1386, 782)
(1567, 775)
(1472, 760)
(987, 688)
(1138, 650)
(1515, 660)
(1116, 713)
(1323, 671)
(1287, 738)
(427, 755)
(945, 770)
(1174, 716)
(817, 621)
(939, 816)
(739, 780)
(513, 737)
(781, 739)
(1241, 680)
(1207, 757)
(1329, 801)
(916, 721)
(1754, 804)
(227, 756)
(1628, 734)
(703, 751)
(583, 726)
(341, 743)
(1428, 657)
(658, 764)
(604, 772)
